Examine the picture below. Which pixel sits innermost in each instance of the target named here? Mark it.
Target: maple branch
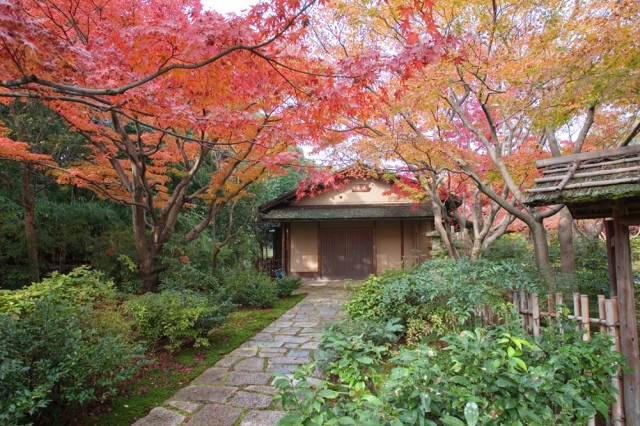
(296, 70)
(552, 141)
(585, 129)
(64, 88)
(101, 106)
(631, 136)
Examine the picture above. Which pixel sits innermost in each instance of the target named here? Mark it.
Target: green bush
(183, 275)
(485, 377)
(175, 318)
(82, 286)
(247, 287)
(56, 357)
(287, 285)
(510, 247)
(438, 296)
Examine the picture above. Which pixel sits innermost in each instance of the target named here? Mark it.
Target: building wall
(388, 245)
(395, 241)
(304, 248)
(347, 195)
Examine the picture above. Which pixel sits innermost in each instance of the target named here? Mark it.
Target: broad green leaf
(452, 421)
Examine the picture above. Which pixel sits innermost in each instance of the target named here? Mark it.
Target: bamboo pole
(602, 314)
(576, 306)
(617, 408)
(585, 318)
(535, 314)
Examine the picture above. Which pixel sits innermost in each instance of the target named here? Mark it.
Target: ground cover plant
(73, 342)
(380, 369)
(167, 373)
(63, 346)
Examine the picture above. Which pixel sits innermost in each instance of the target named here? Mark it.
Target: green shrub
(175, 318)
(56, 357)
(287, 285)
(82, 286)
(247, 287)
(183, 275)
(486, 377)
(510, 247)
(440, 295)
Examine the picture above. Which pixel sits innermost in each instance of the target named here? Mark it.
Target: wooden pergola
(604, 184)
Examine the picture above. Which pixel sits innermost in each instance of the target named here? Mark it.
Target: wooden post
(559, 303)
(627, 312)
(550, 308)
(585, 320)
(617, 408)
(522, 302)
(534, 306)
(576, 307)
(602, 314)
(585, 317)
(611, 256)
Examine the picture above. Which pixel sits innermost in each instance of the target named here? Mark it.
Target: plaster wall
(304, 248)
(388, 245)
(347, 196)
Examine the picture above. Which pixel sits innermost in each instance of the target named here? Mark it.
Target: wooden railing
(529, 307)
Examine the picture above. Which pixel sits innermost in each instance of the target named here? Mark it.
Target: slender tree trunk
(214, 256)
(540, 246)
(445, 234)
(565, 237)
(29, 209)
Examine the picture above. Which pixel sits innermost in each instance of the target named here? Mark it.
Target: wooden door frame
(374, 263)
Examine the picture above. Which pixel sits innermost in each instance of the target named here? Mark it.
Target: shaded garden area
(137, 140)
(417, 350)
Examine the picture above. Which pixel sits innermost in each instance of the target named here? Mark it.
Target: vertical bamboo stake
(576, 307)
(602, 315)
(585, 320)
(535, 313)
(617, 408)
(584, 304)
(523, 308)
(559, 303)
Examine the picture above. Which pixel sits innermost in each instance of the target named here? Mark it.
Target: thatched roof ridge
(588, 183)
(366, 212)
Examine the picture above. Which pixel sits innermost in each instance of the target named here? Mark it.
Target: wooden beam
(588, 174)
(628, 325)
(564, 168)
(591, 184)
(592, 155)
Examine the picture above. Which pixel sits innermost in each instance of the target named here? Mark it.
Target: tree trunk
(147, 248)
(149, 272)
(214, 256)
(565, 238)
(29, 208)
(540, 246)
(445, 234)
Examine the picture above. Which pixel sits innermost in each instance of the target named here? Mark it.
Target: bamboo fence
(533, 309)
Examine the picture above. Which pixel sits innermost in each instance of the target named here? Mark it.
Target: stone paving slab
(262, 418)
(205, 393)
(161, 416)
(237, 391)
(213, 376)
(216, 415)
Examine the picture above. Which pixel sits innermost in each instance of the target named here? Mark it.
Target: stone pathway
(238, 390)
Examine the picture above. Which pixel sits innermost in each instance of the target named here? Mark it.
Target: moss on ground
(170, 372)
